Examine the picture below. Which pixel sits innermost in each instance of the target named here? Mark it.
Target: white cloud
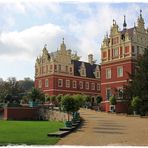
(82, 34)
(28, 42)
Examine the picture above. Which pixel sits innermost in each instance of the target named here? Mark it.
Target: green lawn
(28, 132)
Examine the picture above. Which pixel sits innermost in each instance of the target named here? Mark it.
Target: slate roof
(89, 68)
(130, 31)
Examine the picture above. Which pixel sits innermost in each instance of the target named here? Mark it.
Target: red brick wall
(54, 89)
(115, 82)
(121, 107)
(20, 113)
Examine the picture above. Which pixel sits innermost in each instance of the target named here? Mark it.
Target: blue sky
(26, 26)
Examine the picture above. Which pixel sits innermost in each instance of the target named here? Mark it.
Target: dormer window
(97, 72)
(82, 70)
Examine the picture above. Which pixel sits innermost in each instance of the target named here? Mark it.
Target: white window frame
(40, 83)
(107, 97)
(118, 73)
(46, 83)
(121, 89)
(97, 74)
(98, 87)
(60, 82)
(108, 75)
(74, 84)
(92, 86)
(115, 52)
(81, 84)
(87, 85)
(67, 83)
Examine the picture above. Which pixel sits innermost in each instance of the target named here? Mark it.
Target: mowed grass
(28, 132)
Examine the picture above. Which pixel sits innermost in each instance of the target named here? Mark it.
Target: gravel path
(108, 129)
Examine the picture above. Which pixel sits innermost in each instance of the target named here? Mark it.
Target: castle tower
(119, 52)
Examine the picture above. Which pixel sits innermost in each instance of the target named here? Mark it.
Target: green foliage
(80, 99)
(52, 98)
(99, 99)
(69, 104)
(112, 100)
(136, 102)
(28, 132)
(86, 98)
(138, 86)
(14, 87)
(36, 95)
(59, 97)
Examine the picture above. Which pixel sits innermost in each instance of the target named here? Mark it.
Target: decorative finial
(63, 40)
(106, 34)
(140, 12)
(113, 21)
(124, 23)
(45, 46)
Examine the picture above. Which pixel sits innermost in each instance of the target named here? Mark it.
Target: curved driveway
(108, 129)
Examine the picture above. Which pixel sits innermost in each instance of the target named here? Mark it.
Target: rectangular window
(81, 84)
(92, 86)
(115, 52)
(120, 71)
(55, 67)
(59, 67)
(46, 83)
(120, 92)
(104, 54)
(43, 69)
(108, 93)
(87, 85)
(127, 49)
(67, 83)
(98, 87)
(74, 84)
(108, 73)
(40, 84)
(60, 82)
(98, 74)
(50, 67)
(66, 68)
(70, 69)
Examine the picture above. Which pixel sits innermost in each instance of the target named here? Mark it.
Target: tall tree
(139, 84)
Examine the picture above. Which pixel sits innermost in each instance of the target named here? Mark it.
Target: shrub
(69, 104)
(112, 100)
(99, 99)
(136, 102)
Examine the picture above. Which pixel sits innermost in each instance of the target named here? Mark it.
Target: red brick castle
(61, 72)
(119, 52)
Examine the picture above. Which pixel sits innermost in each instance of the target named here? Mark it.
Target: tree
(26, 84)
(99, 99)
(69, 105)
(80, 99)
(136, 102)
(58, 99)
(139, 82)
(36, 95)
(112, 100)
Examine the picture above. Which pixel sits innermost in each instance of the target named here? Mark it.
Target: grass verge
(28, 132)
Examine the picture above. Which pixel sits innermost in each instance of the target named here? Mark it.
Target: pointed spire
(45, 46)
(140, 13)
(124, 23)
(63, 46)
(63, 40)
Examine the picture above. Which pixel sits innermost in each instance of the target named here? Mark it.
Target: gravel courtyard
(102, 129)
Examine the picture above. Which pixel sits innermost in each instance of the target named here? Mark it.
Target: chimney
(90, 58)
